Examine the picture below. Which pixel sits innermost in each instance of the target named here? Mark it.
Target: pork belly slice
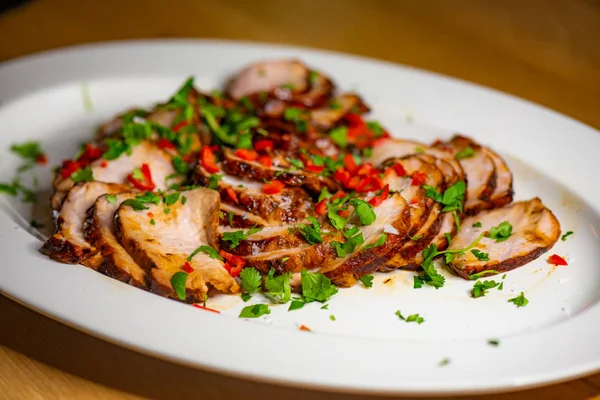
(68, 244)
(163, 248)
(393, 219)
(270, 238)
(101, 233)
(480, 173)
(503, 192)
(534, 231)
(116, 171)
(288, 206)
(327, 117)
(255, 171)
(426, 214)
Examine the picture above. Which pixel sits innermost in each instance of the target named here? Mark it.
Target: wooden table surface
(546, 51)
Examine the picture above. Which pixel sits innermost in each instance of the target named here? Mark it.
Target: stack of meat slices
(307, 183)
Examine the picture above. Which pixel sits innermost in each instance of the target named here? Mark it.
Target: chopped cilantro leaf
(312, 77)
(111, 198)
(343, 249)
(115, 149)
(244, 141)
(316, 286)
(246, 297)
(212, 253)
(336, 220)
(278, 287)
(519, 301)
(478, 275)
(255, 311)
(367, 280)
(251, 280)
(292, 113)
(500, 232)
(230, 218)
(480, 288)
(36, 225)
(296, 305)
(236, 237)
(418, 282)
(137, 174)
(444, 362)
(178, 283)
(467, 152)
(213, 181)
(332, 317)
(324, 194)
(28, 150)
(378, 243)
(375, 127)
(566, 235)
(494, 342)
(339, 136)
(152, 222)
(312, 234)
(183, 200)
(83, 175)
(325, 307)
(477, 224)
(411, 318)
(415, 238)
(172, 198)
(364, 211)
(296, 163)
(481, 256)
(180, 166)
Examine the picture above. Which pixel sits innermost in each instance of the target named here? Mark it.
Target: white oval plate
(368, 348)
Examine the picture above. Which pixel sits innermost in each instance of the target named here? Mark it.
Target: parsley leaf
(339, 136)
(316, 286)
(312, 234)
(411, 318)
(494, 342)
(343, 249)
(237, 236)
(519, 301)
(111, 198)
(378, 243)
(452, 199)
(480, 288)
(324, 194)
(467, 152)
(500, 232)
(172, 198)
(178, 282)
(212, 253)
(478, 275)
(292, 113)
(367, 280)
(477, 224)
(332, 317)
(278, 288)
(251, 280)
(481, 256)
(255, 311)
(246, 297)
(364, 210)
(336, 220)
(566, 235)
(213, 181)
(28, 150)
(418, 282)
(83, 175)
(296, 305)
(180, 166)
(138, 203)
(375, 127)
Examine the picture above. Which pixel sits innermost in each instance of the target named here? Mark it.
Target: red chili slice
(321, 207)
(344, 213)
(41, 159)
(342, 176)
(90, 154)
(377, 200)
(247, 155)
(399, 169)
(354, 119)
(418, 178)
(208, 160)
(350, 163)
(263, 145)
(338, 195)
(188, 268)
(273, 187)
(104, 164)
(205, 308)
(310, 167)
(353, 182)
(180, 125)
(232, 195)
(165, 144)
(366, 169)
(234, 263)
(265, 161)
(69, 167)
(305, 328)
(557, 260)
(147, 184)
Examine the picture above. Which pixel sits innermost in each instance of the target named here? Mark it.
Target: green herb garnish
(255, 311)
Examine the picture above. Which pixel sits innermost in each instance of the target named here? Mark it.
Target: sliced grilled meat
(235, 217)
(255, 171)
(68, 244)
(270, 238)
(503, 193)
(534, 231)
(479, 169)
(393, 220)
(327, 117)
(116, 171)
(163, 248)
(100, 232)
(288, 206)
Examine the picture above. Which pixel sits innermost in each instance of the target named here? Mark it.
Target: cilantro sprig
(234, 238)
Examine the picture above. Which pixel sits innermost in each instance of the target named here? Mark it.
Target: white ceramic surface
(367, 349)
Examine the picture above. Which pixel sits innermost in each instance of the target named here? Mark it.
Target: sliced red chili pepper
(399, 169)
(354, 119)
(187, 158)
(342, 176)
(247, 155)
(353, 182)
(208, 160)
(188, 268)
(338, 195)
(150, 215)
(418, 178)
(180, 125)
(147, 184)
(557, 260)
(41, 159)
(350, 163)
(165, 144)
(273, 187)
(305, 328)
(232, 195)
(366, 169)
(344, 213)
(266, 161)
(90, 154)
(311, 167)
(263, 145)
(69, 167)
(414, 200)
(205, 308)
(234, 263)
(370, 184)
(379, 141)
(377, 200)
(321, 207)
(104, 164)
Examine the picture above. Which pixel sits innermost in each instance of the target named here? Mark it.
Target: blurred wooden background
(547, 51)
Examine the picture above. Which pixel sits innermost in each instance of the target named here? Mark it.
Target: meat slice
(255, 171)
(235, 217)
(393, 220)
(116, 171)
(265, 76)
(534, 231)
(162, 249)
(327, 117)
(101, 233)
(69, 244)
(426, 214)
(288, 206)
(270, 238)
(503, 192)
(479, 169)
